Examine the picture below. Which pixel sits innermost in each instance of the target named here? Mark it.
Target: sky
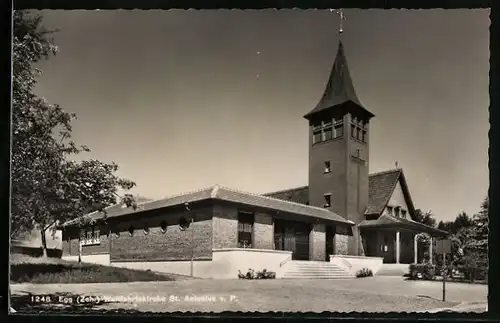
(182, 100)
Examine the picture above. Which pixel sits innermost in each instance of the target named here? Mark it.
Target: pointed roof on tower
(339, 88)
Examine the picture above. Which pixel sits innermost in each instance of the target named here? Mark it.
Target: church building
(344, 220)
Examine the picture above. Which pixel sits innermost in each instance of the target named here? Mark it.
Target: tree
(461, 221)
(47, 187)
(426, 218)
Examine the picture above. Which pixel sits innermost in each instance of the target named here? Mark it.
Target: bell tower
(339, 149)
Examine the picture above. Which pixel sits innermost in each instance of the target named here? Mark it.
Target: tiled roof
(298, 195)
(391, 221)
(339, 88)
(380, 188)
(229, 195)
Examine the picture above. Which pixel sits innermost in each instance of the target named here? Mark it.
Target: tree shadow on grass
(62, 303)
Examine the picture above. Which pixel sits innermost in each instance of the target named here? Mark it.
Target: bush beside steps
(252, 274)
(365, 272)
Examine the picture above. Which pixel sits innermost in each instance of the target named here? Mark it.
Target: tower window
(358, 129)
(328, 167)
(339, 130)
(328, 133)
(403, 214)
(328, 200)
(317, 136)
(325, 131)
(396, 211)
(389, 210)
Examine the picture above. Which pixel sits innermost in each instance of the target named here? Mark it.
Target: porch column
(430, 250)
(397, 247)
(415, 249)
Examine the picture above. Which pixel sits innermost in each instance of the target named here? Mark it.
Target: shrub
(365, 272)
(422, 271)
(252, 274)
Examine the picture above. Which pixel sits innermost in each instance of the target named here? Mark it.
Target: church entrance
(330, 245)
(292, 236)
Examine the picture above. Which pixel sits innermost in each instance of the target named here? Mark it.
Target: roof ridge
(287, 190)
(282, 201)
(215, 190)
(384, 172)
(388, 198)
(181, 194)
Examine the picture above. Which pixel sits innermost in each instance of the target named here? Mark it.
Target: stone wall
(263, 231)
(317, 242)
(171, 244)
(225, 227)
(340, 242)
(153, 244)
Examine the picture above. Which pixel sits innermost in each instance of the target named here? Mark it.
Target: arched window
(163, 226)
(146, 229)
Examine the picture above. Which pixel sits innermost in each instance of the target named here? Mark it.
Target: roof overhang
(218, 193)
(390, 222)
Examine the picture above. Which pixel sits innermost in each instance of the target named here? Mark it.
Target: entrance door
(290, 244)
(302, 231)
(292, 236)
(329, 242)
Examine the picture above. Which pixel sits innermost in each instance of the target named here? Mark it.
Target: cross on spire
(340, 12)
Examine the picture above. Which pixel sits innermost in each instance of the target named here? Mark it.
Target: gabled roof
(339, 88)
(380, 189)
(229, 195)
(298, 195)
(389, 221)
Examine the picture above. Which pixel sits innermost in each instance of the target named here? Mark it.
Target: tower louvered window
(358, 130)
(327, 130)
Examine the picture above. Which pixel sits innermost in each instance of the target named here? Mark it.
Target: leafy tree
(446, 226)
(426, 218)
(461, 221)
(47, 187)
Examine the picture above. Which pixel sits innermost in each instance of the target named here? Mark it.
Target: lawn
(25, 269)
(376, 294)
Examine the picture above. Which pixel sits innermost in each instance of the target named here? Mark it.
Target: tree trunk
(44, 243)
(79, 250)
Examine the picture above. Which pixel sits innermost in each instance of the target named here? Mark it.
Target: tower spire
(340, 88)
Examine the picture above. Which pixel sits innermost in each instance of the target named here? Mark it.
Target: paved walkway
(373, 294)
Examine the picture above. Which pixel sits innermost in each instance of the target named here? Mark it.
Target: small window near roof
(131, 230)
(328, 167)
(403, 214)
(389, 210)
(146, 229)
(328, 200)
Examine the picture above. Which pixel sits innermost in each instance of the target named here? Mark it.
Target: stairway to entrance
(305, 269)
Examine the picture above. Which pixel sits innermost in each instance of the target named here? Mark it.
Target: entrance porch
(396, 239)
(310, 241)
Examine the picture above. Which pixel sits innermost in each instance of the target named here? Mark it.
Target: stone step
(303, 269)
(309, 267)
(316, 272)
(318, 277)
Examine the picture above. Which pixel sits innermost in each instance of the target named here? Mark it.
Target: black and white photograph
(249, 161)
